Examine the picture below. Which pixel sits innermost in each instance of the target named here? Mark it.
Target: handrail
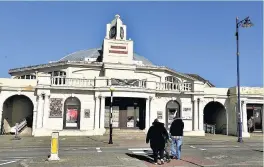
(21, 125)
(211, 127)
(222, 128)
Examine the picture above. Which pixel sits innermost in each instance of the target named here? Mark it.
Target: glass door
(130, 117)
(257, 118)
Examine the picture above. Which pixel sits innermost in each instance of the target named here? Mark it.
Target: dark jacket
(177, 127)
(157, 135)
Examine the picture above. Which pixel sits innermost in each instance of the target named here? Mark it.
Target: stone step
(126, 132)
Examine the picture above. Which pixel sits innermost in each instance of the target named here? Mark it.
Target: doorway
(172, 111)
(71, 118)
(254, 111)
(128, 113)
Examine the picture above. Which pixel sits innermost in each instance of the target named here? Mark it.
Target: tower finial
(117, 16)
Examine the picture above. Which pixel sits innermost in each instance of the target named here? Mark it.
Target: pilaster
(200, 114)
(195, 115)
(96, 112)
(102, 111)
(40, 110)
(244, 116)
(46, 110)
(147, 114)
(1, 113)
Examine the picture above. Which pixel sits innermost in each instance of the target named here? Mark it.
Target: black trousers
(158, 152)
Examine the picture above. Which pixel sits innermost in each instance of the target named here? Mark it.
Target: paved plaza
(210, 150)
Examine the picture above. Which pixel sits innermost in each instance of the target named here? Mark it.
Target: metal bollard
(54, 150)
(16, 133)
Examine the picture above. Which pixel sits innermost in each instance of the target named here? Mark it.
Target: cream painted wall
(221, 120)
(87, 73)
(87, 102)
(159, 104)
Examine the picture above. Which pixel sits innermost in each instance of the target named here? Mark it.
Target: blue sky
(189, 37)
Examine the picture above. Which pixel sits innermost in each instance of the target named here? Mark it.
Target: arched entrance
(17, 109)
(72, 108)
(172, 110)
(215, 114)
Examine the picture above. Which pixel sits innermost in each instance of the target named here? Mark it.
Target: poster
(187, 113)
(71, 118)
(107, 116)
(115, 116)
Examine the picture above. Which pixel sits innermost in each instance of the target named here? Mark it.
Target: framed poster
(107, 116)
(56, 108)
(72, 118)
(86, 113)
(115, 116)
(187, 113)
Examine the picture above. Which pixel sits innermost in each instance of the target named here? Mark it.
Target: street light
(244, 23)
(111, 117)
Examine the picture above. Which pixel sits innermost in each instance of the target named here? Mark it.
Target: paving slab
(89, 160)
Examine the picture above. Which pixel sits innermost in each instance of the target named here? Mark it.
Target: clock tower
(116, 47)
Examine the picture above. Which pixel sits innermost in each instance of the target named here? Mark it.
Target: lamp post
(111, 117)
(244, 23)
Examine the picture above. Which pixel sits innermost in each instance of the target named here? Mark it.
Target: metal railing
(209, 128)
(222, 129)
(20, 126)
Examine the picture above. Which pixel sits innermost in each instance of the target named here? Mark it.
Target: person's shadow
(146, 158)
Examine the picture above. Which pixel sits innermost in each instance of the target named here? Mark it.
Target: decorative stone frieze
(56, 107)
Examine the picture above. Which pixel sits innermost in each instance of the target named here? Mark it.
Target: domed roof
(94, 53)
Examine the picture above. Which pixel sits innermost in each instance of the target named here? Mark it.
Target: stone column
(102, 111)
(40, 111)
(195, 115)
(34, 121)
(1, 113)
(46, 110)
(200, 114)
(147, 115)
(96, 112)
(244, 116)
(150, 111)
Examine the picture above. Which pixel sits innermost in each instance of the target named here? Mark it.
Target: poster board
(72, 118)
(187, 113)
(115, 116)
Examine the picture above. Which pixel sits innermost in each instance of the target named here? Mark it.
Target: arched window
(58, 77)
(172, 83)
(172, 111)
(72, 108)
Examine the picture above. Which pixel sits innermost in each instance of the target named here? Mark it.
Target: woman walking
(157, 135)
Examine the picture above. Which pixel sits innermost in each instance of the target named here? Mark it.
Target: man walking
(176, 131)
(157, 135)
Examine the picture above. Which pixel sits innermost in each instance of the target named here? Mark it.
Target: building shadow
(146, 158)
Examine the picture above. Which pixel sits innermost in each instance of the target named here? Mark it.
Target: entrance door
(257, 119)
(172, 110)
(122, 118)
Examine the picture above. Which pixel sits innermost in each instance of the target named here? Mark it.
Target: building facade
(72, 95)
